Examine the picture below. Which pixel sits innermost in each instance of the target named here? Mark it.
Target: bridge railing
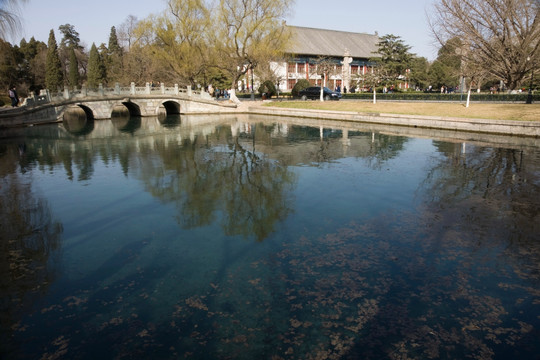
(46, 96)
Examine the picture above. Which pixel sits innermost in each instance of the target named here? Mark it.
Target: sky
(93, 19)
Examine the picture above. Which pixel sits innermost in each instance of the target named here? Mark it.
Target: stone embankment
(489, 126)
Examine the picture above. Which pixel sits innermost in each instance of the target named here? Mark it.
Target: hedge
(502, 97)
(421, 96)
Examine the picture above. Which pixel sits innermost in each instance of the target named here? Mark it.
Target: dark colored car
(314, 92)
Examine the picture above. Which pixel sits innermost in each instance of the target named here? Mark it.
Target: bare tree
(126, 32)
(269, 71)
(501, 36)
(379, 74)
(473, 70)
(325, 68)
(373, 78)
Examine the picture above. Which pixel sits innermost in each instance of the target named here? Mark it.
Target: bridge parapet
(103, 103)
(45, 96)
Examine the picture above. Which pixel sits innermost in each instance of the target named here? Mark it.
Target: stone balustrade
(102, 102)
(45, 96)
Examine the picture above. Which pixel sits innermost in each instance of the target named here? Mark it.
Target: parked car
(314, 92)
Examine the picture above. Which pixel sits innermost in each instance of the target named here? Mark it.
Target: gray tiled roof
(311, 41)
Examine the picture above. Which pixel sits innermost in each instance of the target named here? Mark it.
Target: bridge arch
(132, 108)
(78, 120)
(87, 111)
(169, 107)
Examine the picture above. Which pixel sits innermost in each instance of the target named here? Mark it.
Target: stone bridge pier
(105, 109)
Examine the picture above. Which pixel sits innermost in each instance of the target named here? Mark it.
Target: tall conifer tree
(53, 72)
(8, 64)
(73, 68)
(96, 69)
(70, 37)
(114, 62)
(114, 47)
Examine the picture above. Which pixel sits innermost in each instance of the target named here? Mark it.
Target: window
(354, 69)
(290, 84)
(301, 68)
(292, 68)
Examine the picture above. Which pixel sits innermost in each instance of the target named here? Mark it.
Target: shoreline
(489, 126)
(485, 126)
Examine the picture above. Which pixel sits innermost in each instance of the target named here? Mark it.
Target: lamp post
(529, 96)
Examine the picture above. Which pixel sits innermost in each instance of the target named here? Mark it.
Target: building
(350, 52)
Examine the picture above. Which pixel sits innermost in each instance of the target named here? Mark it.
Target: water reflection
(493, 193)
(169, 120)
(77, 122)
(239, 237)
(30, 240)
(128, 124)
(218, 173)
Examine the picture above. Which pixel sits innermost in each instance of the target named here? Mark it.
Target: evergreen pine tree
(114, 62)
(96, 69)
(70, 37)
(8, 65)
(53, 72)
(73, 69)
(114, 47)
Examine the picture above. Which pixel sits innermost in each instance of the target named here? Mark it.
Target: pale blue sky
(93, 19)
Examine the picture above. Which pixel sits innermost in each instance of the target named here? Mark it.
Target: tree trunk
(234, 99)
(374, 95)
(323, 82)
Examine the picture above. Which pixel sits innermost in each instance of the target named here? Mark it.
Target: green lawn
(526, 112)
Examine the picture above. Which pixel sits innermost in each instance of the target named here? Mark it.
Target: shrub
(299, 86)
(5, 100)
(267, 88)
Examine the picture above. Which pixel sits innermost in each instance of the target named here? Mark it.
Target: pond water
(245, 237)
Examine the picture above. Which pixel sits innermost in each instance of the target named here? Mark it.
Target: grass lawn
(526, 112)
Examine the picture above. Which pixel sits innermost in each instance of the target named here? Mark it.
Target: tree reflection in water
(490, 191)
(218, 176)
(29, 242)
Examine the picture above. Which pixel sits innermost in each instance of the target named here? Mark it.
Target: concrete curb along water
(21, 117)
(506, 127)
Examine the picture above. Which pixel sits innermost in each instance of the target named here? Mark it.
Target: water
(267, 238)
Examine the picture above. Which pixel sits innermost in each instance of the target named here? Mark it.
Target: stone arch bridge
(104, 103)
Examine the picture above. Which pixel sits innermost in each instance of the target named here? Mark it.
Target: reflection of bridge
(105, 103)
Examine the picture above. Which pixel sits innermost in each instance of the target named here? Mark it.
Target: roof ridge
(330, 30)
